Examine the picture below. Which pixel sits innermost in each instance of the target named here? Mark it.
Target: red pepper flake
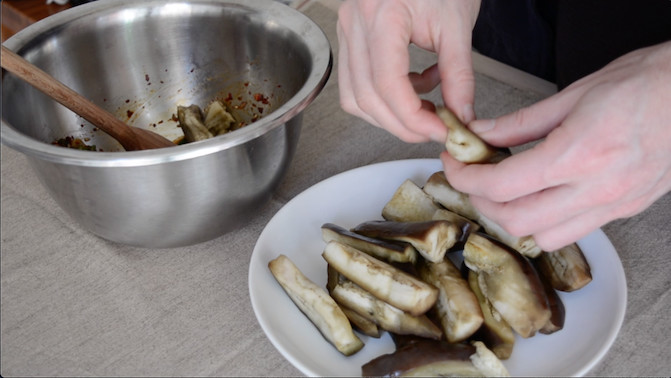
(246, 84)
(127, 101)
(229, 98)
(261, 98)
(129, 113)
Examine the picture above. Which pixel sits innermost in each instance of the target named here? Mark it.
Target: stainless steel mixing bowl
(140, 60)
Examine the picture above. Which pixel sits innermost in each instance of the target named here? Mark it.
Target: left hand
(606, 155)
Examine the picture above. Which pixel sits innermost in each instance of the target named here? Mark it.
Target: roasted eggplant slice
(431, 239)
(409, 204)
(510, 282)
(487, 362)
(457, 307)
(494, 332)
(466, 146)
(384, 281)
(424, 358)
(556, 321)
(433, 358)
(442, 192)
(191, 122)
(317, 305)
(465, 225)
(386, 316)
(567, 268)
(387, 250)
(362, 324)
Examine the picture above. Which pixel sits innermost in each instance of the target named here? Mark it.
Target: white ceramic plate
(594, 314)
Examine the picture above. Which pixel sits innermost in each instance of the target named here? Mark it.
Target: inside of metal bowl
(141, 60)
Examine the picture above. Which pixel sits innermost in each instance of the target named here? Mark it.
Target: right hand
(374, 63)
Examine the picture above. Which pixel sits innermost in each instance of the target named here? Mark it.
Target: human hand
(606, 155)
(374, 79)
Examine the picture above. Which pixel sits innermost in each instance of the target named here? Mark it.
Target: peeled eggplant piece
(191, 122)
(217, 119)
(457, 307)
(510, 283)
(494, 332)
(431, 239)
(317, 305)
(466, 146)
(382, 280)
(361, 323)
(409, 204)
(566, 268)
(442, 192)
(386, 316)
(386, 250)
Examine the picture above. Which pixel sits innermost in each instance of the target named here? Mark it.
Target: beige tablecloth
(76, 305)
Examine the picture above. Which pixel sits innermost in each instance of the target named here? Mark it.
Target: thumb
(526, 124)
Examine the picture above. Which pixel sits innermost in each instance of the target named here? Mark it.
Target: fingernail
(440, 138)
(481, 125)
(468, 113)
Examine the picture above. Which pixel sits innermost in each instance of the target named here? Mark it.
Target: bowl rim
(313, 36)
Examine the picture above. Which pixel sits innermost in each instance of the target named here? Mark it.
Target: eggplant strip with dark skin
(556, 321)
(431, 239)
(494, 332)
(382, 280)
(510, 282)
(566, 268)
(386, 250)
(317, 305)
(348, 294)
(426, 358)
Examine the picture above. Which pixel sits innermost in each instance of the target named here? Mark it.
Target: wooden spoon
(131, 138)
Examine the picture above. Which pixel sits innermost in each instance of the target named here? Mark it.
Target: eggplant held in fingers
(466, 146)
(317, 305)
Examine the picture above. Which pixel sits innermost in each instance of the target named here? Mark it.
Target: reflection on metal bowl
(140, 60)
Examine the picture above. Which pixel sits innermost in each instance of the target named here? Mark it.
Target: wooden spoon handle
(131, 138)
